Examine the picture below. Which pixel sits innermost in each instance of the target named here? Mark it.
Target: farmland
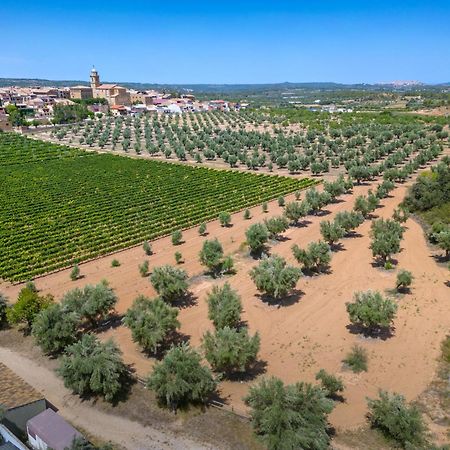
(62, 206)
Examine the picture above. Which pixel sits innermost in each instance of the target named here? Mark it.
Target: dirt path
(126, 433)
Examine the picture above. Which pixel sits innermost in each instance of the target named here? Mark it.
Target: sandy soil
(310, 332)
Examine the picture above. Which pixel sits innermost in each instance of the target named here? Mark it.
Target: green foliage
(404, 279)
(257, 236)
(371, 311)
(386, 237)
(16, 116)
(357, 359)
(83, 444)
(92, 367)
(224, 306)
(202, 229)
(362, 206)
(400, 215)
(230, 350)
(274, 277)
(169, 282)
(443, 241)
(75, 273)
(181, 378)
(294, 211)
(290, 417)
(225, 219)
(3, 309)
(29, 303)
(393, 417)
(143, 268)
(211, 255)
(147, 248)
(317, 256)
(265, 207)
(115, 263)
(349, 220)
(94, 303)
(54, 328)
(281, 201)
(177, 237)
(330, 383)
(70, 113)
(276, 225)
(247, 214)
(331, 232)
(178, 257)
(151, 322)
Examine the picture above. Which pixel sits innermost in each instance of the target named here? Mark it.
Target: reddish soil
(310, 331)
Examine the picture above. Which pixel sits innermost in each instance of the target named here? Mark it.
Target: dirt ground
(309, 331)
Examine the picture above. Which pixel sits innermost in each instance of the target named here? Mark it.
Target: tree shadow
(380, 263)
(440, 258)
(383, 333)
(337, 247)
(289, 300)
(352, 234)
(185, 301)
(322, 212)
(257, 368)
(175, 338)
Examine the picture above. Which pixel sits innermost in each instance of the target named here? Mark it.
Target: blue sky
(227, 42)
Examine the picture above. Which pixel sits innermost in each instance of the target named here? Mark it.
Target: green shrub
(404, 279)
(143, 269)
(115, 263)
(398, 421)
(177, 237)
(331, 384)
(225, 219)
(147, 248)
(169, 282)
(224, 306)
(75, 273)
(356, 360)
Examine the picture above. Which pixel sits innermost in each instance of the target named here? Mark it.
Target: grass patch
(356, 360)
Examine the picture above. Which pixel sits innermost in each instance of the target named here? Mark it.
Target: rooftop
(53, 430)
(14, 391)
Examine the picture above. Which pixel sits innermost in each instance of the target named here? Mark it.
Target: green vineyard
(60, 205)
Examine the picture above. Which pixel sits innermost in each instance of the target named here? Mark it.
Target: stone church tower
(95, 79)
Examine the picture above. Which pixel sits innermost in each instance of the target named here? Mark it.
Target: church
(114, 94)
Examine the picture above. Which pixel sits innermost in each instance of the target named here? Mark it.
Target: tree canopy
(169, 282)
(224, 306)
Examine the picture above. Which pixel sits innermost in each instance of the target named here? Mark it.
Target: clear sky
(215, 41)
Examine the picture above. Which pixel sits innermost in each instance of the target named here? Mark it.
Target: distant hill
(231, 89)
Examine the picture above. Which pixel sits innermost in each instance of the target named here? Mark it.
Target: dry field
(308, 331)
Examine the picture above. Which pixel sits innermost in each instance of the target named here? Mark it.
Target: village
(37, 104)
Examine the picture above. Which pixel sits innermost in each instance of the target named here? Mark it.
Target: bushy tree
(93, 367)
(202, 229)
(29, 303)
(211, 255)
(147, 248)
(3, 308)
(94, 303)
(224, 306)
(290, 417)
(181, 378)
(143, 269)
(362, 205)
(443, 241)
(275, 277)
(330, 383)
(400, 215)
(230, 350)
(75, 273)
(386, 237)
(247, 214)
(169, 282)
(371, 310)
(151, 322)
(54, 328)
(392, 416)
(225, 218)
(177, 237)
(276, 225)
(357, 359)
(257, 236)
(294, 211)
(404, 279)
(317, 256)
(331, 232)
(349, 220)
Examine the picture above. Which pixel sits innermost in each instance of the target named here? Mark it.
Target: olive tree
(371, 311)
(54, 328)
(225, 219)
(294, 211)
(443, 241)
(151, 322)
(257, 236)
(317, 255)
(169, 282)
(330, 383)
(331, 231)
(290, 417)
(274, 277)
(386, 237)
(211, 255)
(92, 367)
(404, 279)
(397, 420)
(93, 303)
(181, 378)
(230, 350)
(224, 306)
(276, 225)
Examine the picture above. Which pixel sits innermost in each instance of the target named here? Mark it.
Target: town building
(113, 93)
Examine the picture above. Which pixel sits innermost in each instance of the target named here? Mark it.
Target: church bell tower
(95, 79)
